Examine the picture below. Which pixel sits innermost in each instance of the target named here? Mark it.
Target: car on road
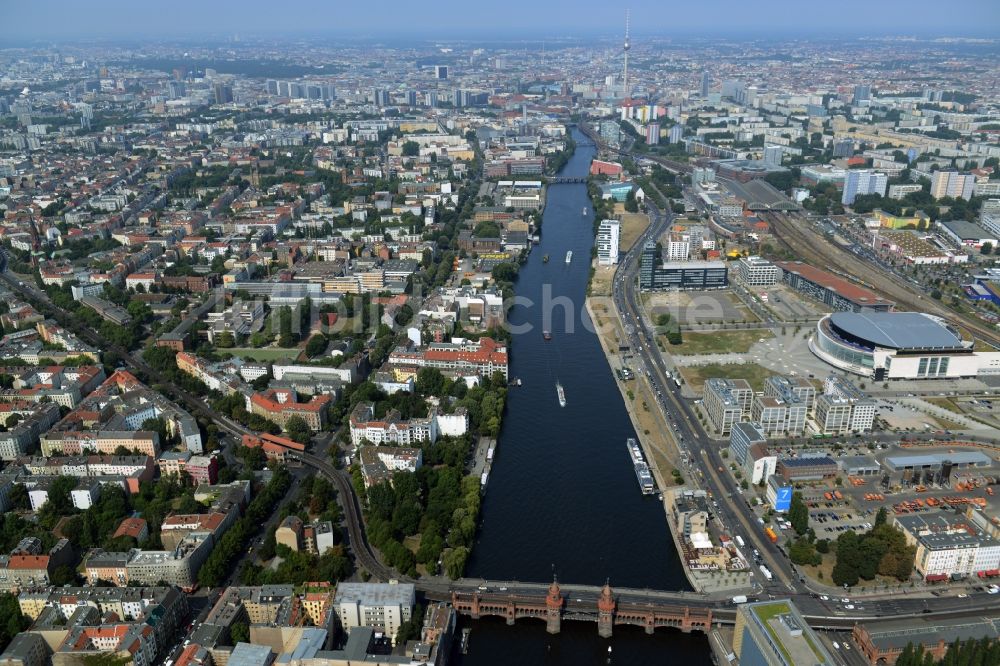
(849, 606)
(824, 598)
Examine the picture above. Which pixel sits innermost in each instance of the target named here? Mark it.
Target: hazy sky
(29, 19)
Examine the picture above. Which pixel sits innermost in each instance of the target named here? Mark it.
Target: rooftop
(375, 594)
(844, 288)
(966, 230)
(897, 633)
(808, 461)
(247, 654)
(897, 330)
(958, 458)
(788, 631)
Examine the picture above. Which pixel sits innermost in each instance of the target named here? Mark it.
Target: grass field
(633, 224)
(696, 375)
(265, 353)
(719, 342)
(944, 403)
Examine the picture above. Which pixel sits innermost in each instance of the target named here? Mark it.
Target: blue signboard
(783, 499)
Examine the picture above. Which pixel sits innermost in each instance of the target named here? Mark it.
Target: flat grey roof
(974, 458)
(897, 330)
(897, 633)
(760, 194)
(375, 594)
(967, 230)
(248, 654)
(853, 462)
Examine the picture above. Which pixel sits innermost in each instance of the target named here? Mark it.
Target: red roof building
(279, 405)
(133, 527)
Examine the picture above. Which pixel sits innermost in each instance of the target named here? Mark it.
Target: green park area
(265, 353)
(696, 375)
(718, 342)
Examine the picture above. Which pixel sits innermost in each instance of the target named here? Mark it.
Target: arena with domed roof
(899, 345)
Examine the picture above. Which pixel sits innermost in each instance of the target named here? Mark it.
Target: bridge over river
(558, 180)
(654, 609)
(554, 603)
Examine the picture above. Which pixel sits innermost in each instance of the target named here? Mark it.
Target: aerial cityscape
(553, 333)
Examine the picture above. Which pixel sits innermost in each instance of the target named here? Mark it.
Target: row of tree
(437, 502)
(972, 652)
(11, 621)
(218, 566)
(316, 501)
(880, 551)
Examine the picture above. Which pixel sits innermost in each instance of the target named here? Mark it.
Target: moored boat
(642, 473)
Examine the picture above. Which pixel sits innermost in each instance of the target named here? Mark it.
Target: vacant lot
(695, 375)
(698, 307)
(600, 283)
(718, 342)
(633, 224)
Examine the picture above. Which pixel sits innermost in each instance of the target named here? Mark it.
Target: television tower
(626, 49)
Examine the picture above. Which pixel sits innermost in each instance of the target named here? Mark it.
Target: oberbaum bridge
(644, 608)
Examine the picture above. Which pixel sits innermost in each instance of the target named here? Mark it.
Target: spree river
(563, 494)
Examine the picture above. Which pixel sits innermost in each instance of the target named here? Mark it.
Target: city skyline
(337, 333)
(450, 19)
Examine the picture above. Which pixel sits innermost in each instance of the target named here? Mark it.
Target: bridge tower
(605, 611)
(553, 608)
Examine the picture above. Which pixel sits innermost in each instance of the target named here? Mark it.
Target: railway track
(363, 552)
(816, 250)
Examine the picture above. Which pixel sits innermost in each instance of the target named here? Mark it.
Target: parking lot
(830, 517)
(788, 305)
(853, 505)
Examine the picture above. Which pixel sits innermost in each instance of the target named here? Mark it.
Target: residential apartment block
(842, 407)
(608, 233)
(459, 357)
(727, 401)
(382, 606)
(754, 271)
(280, 405)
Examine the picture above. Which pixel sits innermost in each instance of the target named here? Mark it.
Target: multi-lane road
(727, 499)
(691, 438)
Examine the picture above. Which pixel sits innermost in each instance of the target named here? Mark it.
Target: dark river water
(563, 494)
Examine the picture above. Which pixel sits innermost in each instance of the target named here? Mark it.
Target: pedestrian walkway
(935, 410)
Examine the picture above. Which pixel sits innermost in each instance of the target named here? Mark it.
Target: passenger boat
(569, 256)
(561, 393)
(642, 473)
(585, 211)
